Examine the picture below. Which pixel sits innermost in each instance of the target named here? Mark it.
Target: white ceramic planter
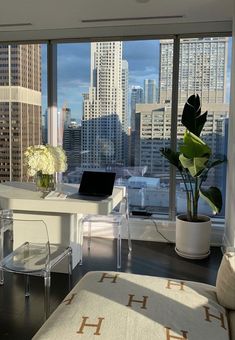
(193, 238)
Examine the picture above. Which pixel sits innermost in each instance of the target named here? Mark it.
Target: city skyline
(143, 64)
(74, 70)
(104, 102)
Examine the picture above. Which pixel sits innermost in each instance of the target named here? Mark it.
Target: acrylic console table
(61, 216)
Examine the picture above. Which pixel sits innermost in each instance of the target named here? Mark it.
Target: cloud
(73, 63)
(143, 60)
(137, 77)
(73, 75)
(140, 50)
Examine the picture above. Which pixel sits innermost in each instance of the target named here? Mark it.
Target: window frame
(52, 87)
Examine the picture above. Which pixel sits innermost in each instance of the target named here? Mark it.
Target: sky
(73, 65)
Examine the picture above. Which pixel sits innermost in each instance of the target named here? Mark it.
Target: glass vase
(44, 182)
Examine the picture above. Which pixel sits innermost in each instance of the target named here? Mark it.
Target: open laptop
(96, 184)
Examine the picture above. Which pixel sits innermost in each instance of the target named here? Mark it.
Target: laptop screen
(95, 183)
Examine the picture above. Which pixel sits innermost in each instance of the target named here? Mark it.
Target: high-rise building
(202, 69)
(64, 119)
(152, 123)
(153, 131)
(44, 124)
(137, 97)
(104, 120)
(72, 145)
(20, 106)
(66, 115)
(125, 100)
(150, 91)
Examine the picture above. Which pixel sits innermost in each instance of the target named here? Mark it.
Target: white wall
(230, 198)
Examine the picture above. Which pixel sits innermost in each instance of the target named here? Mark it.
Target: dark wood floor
(20, 319)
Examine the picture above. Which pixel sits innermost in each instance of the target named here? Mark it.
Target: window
(109, 95)
(115, 110)
(211, 80)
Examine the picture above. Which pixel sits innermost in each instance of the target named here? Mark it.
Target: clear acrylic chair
(118, 219)
(30, 258)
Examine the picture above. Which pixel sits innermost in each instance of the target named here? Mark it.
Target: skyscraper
(66, 115)
(44, 124)
(105, 107)
(20, 106)
(202, 69)
(153, 131)
(64, 119)
(72, 145)
(137, 97)
(125, 99)
(150, 91)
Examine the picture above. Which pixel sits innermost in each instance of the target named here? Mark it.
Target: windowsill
(155, 230)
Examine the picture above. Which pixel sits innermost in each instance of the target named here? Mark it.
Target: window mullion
(174, 119)
(52, 92)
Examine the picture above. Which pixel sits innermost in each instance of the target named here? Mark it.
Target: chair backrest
(16, 231)
(123, 207)
(6, 218)
(6, 227)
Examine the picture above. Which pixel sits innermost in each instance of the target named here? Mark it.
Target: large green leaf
(194, 146)
(213, 197)
(172, 156)
(195, 165)
(192, 118)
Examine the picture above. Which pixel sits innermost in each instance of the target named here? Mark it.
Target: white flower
(45, 158)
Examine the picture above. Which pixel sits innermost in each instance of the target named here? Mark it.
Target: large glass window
(115, 115)
(204, 68)
(22, 68)
(114, 110)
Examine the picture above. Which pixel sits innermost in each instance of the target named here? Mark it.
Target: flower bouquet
(43, 161)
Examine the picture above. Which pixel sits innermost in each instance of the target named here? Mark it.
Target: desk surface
(23, 196)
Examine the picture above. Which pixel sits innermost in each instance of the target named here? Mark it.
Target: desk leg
(76, 238)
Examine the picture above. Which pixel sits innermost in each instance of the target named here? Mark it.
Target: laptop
(97, 184)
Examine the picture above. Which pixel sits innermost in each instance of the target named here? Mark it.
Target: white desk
(61, 216)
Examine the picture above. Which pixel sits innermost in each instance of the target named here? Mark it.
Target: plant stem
(189, 206)
(195, 202)
(191, 198)
(188, 198)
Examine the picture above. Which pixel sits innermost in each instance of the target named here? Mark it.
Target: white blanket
(122, 306)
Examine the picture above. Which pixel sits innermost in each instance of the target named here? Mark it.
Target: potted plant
(194, 161)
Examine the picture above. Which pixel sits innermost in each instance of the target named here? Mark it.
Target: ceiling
(49, 16)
